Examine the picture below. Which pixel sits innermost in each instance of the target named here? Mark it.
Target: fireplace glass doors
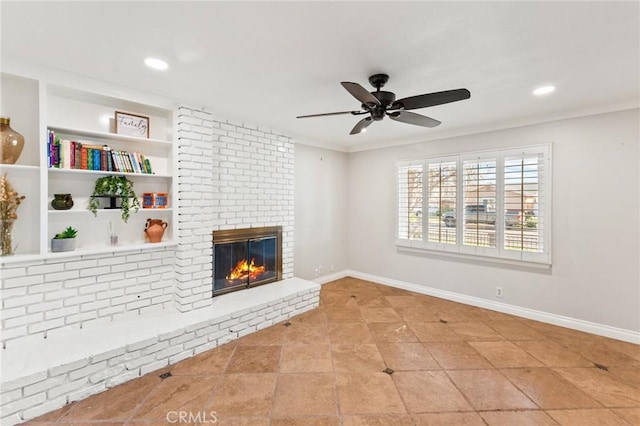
(244, 258)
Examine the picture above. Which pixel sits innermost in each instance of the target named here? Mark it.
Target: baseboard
(572, 323)
(331, 277)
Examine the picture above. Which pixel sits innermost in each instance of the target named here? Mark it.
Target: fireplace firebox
(244, 258)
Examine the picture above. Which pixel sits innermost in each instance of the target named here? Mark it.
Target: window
(491, 203)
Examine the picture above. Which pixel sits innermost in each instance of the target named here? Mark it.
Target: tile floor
(376, 355)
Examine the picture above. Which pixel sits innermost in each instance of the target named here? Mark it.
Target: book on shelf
(69, 154)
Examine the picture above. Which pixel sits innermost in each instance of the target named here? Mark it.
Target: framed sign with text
(132, 124)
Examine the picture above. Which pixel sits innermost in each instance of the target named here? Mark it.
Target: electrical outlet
(499, 292)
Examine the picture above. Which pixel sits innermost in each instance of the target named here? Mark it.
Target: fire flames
(244, 270)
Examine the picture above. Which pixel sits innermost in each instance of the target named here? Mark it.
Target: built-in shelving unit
(37, 107)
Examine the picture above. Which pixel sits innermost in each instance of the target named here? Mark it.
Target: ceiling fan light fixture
(156, 64)
(544, 90)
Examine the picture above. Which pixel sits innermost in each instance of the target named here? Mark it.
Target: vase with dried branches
(9, 202)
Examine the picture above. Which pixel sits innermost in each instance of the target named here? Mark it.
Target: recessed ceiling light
(156, 64)
(544, 90)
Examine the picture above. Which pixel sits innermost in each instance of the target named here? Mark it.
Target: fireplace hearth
(244, 258)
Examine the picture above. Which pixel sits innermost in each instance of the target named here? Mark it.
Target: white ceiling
(264, 63)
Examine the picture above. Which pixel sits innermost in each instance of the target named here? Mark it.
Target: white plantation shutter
(490, 204)
(410, 201)
(525, 197)
(480, 213)
(442, 199)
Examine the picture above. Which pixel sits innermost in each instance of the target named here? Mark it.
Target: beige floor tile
(515, 330)
(306, 421)
(448, 419)
(305, 395)
(602, 386)
(237, 421)
(255, 359)
(517, 418)
(210, 362)
(434, 332)
(629, 375)
(371, 299)
(270, 336)
(457, 355)
(630, 349)
(349, 333)
(553, 354)
(597, 352)
(500, 316)
(373, 420)
(475, 331)
(429, 391)
(407, 356)
(490, 390)
(373, 393)
(314, 316)
(417, 314)
(404, 302)
(505, 355)
(177, 393)
(586, 417)
(379, 315)
(118, 403)
(243, 395)
(391, 332)
(357, 358)
(307, 333)
(338, 315)
(462, 313)
(631, 415)
(548, 389)
(301, 358)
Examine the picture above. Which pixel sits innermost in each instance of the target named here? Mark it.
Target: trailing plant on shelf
(115, 187)
(65, 240)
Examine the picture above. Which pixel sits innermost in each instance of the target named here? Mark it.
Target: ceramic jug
(155, 229)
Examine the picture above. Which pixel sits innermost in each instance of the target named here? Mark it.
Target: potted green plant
(114, 187)
(65, 240)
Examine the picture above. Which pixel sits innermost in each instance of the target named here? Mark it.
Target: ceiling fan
(380, 103)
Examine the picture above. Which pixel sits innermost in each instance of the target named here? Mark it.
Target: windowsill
(473, 258)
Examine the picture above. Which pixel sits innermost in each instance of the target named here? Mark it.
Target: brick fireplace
(246, 257)
(231, 176)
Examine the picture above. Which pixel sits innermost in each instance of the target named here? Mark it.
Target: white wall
(321, 206)
(595, 275)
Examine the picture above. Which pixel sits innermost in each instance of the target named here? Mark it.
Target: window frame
(498, 254)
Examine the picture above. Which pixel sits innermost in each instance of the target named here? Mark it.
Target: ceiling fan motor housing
(386, 99)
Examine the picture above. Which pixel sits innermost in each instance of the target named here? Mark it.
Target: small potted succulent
(64, 241)
(114, 187)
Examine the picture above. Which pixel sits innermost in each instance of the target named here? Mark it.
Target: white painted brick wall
(46, 297)
(243, 177)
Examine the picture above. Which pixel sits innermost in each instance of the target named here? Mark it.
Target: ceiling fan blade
(413, 118)
(360, 93)
(330, 113)
(361, 125)
(431, 99)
